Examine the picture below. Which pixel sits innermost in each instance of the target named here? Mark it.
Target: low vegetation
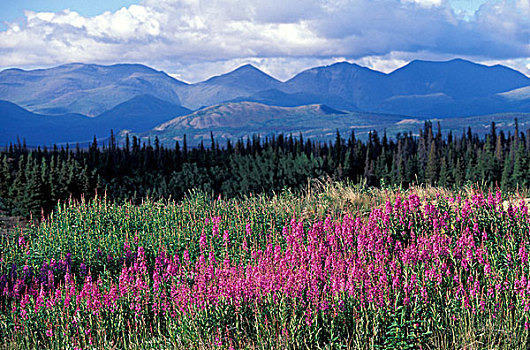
(335, 266)
(31, 180)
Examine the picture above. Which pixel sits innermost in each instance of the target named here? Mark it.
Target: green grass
(94, 230)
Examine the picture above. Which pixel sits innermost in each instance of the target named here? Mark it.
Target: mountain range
(74, 102)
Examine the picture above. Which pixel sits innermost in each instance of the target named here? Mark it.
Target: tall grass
(335, 266)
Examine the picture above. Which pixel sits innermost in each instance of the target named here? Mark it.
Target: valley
(75, 102)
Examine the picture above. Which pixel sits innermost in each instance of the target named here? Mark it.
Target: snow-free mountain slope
(241, 82)
(36, 129)
(451, 88)
(459, 79)
(138, 115)
(242, 114)
(136, 98)
(341, 85)
(246, 76)
(85, 88)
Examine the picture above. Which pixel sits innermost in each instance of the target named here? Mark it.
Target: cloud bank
(194, 39)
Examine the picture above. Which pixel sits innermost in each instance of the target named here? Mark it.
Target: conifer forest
(415, 242)
(265, 175)
(35, 179)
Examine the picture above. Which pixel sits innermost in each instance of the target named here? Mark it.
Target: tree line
(34, 180)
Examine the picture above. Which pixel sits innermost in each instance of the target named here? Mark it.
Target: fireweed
(440, 273)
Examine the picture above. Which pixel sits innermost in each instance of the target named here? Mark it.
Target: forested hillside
(39, 178)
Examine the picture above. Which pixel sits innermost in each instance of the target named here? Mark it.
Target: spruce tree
(34, 189)
(47, 202)
(458, 173)
(348, 164)
(488, 166)
(519, 175)
(445, 175)
(53, 180)
(16, 192)
(381, 171)
(431, 171)
(506, 180)
(412, 170)
(399, 163)
(5, 183)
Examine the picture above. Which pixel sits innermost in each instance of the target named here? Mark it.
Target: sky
(195, 39)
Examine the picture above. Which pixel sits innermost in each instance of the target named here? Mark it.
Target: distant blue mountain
(274, 97)
(85, 88)
(453, 88)
(240, 83)
(244, 77)
(37, 129)
(239, 120)
(341, 85)
(73, 102)
(458, 79)
(137, 115)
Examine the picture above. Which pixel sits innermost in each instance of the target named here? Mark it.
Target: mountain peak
(461, 60)
(342, 67)
(92, 68)
(247, 76)
(247, 67)
(88, 89)
(425, 64)
(345, 64)
(456, 63)
(458, 78)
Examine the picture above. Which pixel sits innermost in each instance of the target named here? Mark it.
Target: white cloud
(192, 37)
(521, 64)
(426, 3)
(282, 68)
(524, 7)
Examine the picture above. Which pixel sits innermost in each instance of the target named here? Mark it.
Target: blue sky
(194, 39)
(469, 6)
(12, 10)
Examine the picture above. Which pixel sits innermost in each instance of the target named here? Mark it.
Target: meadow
(337, 266)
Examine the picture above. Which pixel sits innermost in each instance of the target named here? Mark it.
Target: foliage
(423, 268)
(31, 180)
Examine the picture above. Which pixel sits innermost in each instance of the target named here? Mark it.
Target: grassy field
(334, 267)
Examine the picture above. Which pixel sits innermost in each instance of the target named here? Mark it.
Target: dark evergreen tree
(34, 189)
(5, 181)
(520, 168)
(256, 165)
(445, 179)
(16, 191)
(506, 180)
(458, 173)
(431, 171)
